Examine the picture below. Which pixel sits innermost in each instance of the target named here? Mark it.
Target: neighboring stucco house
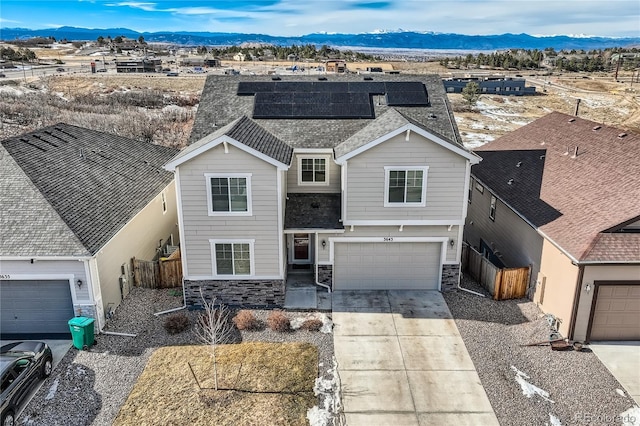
(361, 181)
(562, 195)
(75, 206)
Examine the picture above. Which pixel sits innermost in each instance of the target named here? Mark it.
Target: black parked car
(22, 365)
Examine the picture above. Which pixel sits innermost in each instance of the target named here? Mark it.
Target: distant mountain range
(378, 39)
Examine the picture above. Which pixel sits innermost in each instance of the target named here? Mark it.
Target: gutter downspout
(576, 302)
(184, 303)
(316, 262)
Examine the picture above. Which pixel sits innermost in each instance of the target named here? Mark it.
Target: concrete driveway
(402, 361)
(622, 359)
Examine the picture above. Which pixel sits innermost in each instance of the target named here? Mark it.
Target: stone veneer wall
(325, 275)
(450, 274)
(241, 293)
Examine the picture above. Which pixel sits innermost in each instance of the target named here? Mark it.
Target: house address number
(5, 276)
(387, 239)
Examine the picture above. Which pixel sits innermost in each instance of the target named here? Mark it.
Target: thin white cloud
(9, 21)
(146, 6)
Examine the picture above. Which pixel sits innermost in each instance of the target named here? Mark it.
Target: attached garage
(387, 265)
(616, 313)
(35, 308)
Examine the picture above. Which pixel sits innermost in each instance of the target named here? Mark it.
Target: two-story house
(363, 181)
(561, 195)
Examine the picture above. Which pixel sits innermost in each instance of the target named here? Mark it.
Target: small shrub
(246, 320)
(278, 321)
(312, 324)
(176, 323)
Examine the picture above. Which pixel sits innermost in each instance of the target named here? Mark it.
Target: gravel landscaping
(581, 391)
(89, 387)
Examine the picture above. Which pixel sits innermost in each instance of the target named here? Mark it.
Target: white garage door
(617, 313)
(383, 266)
(35, 309)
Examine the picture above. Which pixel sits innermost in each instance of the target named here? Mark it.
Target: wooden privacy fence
(163, 273)
(505, 283)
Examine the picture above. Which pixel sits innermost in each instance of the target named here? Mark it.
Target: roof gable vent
(368, 78)
(276, 78)
(622, 135)
(596, 128)
(571, 120)
(322, 78)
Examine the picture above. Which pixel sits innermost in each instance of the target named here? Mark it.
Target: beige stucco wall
(599, 273)
(139, 238)
(561, 277)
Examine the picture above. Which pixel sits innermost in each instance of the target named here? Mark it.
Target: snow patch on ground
(327, 324)
(631, 417)
(52, 390)
(475, 140)
(329, 390)
(553, 421)
(528, 389)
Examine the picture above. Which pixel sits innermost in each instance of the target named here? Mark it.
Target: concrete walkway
(402, 361)
(622, 359)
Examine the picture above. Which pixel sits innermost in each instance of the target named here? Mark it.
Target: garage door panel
(381, 266)
(617, 313)
(33, 308)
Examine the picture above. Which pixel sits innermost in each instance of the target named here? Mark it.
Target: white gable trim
(473, 158)
(171, 166)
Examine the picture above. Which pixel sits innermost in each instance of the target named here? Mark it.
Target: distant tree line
(20, 54)
(521, 59)
(304, 51)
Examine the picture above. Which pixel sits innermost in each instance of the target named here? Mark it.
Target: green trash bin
(82, 332)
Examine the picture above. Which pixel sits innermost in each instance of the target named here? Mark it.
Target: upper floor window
(492, 208)
(313, 171)
(405, 186)
(229, 194)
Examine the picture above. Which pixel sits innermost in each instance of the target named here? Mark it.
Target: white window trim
(210, 211)
(493, 205)
(387, 169)
(163, 201)
(327, 166)
(214, 265)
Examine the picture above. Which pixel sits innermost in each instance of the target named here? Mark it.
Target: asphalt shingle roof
(577, 197)
(95, 182)
(313, 211)
(220, 105)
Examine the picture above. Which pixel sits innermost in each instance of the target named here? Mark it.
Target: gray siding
(334, 176)
(46, 268)
(199, 227)
(518, 243)
(445, 181)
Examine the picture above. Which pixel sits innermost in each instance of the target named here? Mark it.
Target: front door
(301, 253)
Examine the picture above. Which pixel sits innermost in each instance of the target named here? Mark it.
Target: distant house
(240, 57)
(336, 65)
(357, 183)
(141, 65)
(491, 85)
(561, 195)
(76, 206)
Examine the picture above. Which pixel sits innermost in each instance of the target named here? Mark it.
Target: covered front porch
(309, 220)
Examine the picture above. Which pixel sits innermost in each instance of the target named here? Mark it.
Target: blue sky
(613, 18)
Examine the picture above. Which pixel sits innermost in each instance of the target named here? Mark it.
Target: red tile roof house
(361, 181)
(562, 195)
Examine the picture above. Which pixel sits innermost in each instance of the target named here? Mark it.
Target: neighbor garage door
(35, 309)
(617, 313)
(383, 266)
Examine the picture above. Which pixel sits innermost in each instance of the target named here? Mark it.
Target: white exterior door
(387, 265)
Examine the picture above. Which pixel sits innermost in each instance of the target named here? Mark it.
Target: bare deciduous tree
(214, 328)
